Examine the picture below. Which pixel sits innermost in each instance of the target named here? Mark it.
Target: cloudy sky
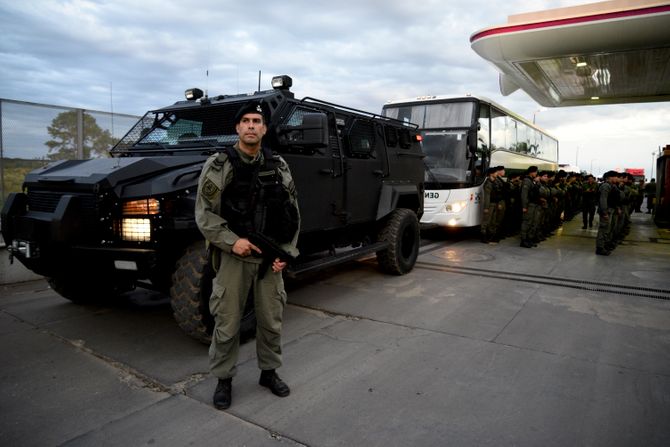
(131, 56)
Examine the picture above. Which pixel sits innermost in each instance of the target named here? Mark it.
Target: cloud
(134, 56)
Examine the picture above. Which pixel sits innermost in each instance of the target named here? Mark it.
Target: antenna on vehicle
(207, 73)
(259, 80)
(111, 106)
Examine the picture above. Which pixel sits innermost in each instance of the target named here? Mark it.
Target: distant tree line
(61, 146)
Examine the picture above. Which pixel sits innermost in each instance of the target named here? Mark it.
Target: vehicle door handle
(378, 172)
(326, 171)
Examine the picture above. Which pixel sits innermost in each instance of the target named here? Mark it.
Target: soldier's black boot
(526, 244)
(270, 379)
(602, 252)
(222, 395)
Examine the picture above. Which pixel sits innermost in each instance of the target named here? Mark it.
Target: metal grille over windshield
(213, 126)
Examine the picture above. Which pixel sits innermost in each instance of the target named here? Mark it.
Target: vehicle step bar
(330, 261)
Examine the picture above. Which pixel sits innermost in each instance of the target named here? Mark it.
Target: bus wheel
(401, 230)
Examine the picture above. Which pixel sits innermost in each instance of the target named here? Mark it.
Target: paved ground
(479, 345)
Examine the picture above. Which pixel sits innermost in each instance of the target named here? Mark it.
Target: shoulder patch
(209, 189)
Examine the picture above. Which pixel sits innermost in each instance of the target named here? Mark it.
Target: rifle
(271, 251)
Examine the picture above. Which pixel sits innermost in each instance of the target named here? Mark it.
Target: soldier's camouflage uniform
(236, 276)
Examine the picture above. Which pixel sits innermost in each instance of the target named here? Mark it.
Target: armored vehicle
(100, 227)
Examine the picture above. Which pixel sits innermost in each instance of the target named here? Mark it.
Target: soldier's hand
(278, 265)
(243, 247)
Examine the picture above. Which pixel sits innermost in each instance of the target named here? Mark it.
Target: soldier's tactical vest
(256, 201)
(613, 198)
(497, 193)
(533, 191)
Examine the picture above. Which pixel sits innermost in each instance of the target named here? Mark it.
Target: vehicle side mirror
(312, 133)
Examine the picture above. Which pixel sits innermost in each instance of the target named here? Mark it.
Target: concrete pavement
(478, 345)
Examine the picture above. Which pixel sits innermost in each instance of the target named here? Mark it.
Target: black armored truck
(100, 227)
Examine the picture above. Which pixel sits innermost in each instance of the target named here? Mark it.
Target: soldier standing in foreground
(242, 191)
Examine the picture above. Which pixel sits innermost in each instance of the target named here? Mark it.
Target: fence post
(80, 134)
(2, 162)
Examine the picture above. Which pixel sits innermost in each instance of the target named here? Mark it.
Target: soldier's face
(251, 129)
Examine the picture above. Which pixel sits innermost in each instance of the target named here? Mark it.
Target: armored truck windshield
(181, 128)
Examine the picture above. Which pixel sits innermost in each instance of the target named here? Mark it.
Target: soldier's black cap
(253, 107)
(500, 168)
(531, 169)
(609, 174)
(490, 171)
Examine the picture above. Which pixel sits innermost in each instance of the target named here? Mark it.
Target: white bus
(462, 137)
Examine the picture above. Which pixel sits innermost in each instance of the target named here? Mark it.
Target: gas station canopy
(600, 53)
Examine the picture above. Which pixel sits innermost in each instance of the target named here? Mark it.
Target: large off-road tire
(401, 230)
(190, 292)
(83, 289)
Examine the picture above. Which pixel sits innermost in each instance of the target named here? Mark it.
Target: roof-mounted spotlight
(282, 82)
(193, 94)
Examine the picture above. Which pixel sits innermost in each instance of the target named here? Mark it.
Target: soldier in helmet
(245, 190)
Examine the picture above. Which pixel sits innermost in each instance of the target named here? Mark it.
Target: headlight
(136, 229)
(456, 207)
(135, 222)
(141, 207)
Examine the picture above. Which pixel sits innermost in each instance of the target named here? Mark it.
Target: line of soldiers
(618, 198)
(539, 202)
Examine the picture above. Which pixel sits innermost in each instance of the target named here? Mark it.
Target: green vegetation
(14, 171)
(63, 130)
(62, 146)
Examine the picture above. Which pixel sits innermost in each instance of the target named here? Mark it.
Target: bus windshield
(444, 129)
(434, 115)
(446, 160)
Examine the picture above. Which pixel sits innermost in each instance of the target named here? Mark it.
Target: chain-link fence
(32, 135)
